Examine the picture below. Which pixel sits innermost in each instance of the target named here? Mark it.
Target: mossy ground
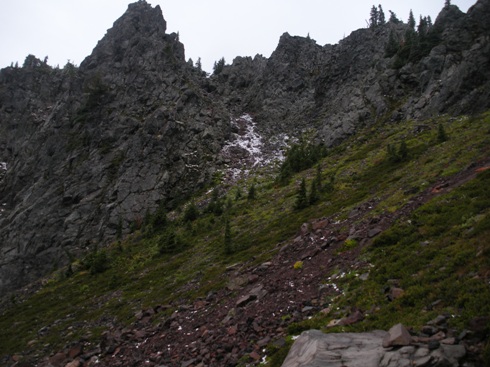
(440, 253)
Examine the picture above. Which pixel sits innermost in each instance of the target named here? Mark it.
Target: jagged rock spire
(138, 33)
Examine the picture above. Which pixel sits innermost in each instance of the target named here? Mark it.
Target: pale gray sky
(69, 29)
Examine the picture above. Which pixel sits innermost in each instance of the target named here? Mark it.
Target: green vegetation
(228, 245)
(414, 44)
(439, 256)
(440, 252)
(441, 134)
(298, 265)
(301, 197)
(219, 66)
(251, 192)
(377, 17)
(299, 157)
(191, 213)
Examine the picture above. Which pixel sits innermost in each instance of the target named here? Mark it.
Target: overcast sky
(69, 29)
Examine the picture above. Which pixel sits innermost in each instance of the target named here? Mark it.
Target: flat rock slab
(315, 349)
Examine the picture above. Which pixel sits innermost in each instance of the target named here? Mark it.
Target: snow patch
(247, 143)
(247, 149)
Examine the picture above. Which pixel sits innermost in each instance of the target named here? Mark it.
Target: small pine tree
(251, 192)
(403, 151)
(168, 242)
(98, 262)
(238, 194)
(381, 16)
(69, 271)
(191, 213)
(447, 3)
(329, 186)
(216, 205)
(373, 18)
(392, 155)
(199, 64)
(159, 219)
(411, 20)
(392, 46)
(228, 246)
(318, 178)
(393, 18)
(218, 66)
(229, 204)
(314, 196)
(423, 26)
(301, 196)
(441, 134)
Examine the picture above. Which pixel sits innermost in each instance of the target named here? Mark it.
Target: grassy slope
(452, 266)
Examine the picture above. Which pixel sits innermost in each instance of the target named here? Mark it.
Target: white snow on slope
(247, 149)
(247, 143)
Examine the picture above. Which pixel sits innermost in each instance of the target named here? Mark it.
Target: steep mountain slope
(391, 241)
(90, 152)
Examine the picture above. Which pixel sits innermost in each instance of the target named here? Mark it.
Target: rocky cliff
(335, 88)
(89, 151)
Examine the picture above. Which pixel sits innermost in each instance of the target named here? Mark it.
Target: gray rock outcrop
(316, 349)
(334, 89)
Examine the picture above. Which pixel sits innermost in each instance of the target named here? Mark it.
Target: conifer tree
(423, 26)
(169, 242)
(216, 204)
(411, 20)
(229, 204)
(301, 196)
(329, 186)
(159, 218)
(392, 46)
(251, 192)
(218, 66)
(228, 247)
(191, 213)
(441, 134)
(373, 19)
(318, 178)
(393, 18)
(314, 197)
(447, 3)
(392, 155)
(381, 16)
(238, 194)
(403, 151)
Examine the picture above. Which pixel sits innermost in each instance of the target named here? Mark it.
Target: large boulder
(316, 349)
